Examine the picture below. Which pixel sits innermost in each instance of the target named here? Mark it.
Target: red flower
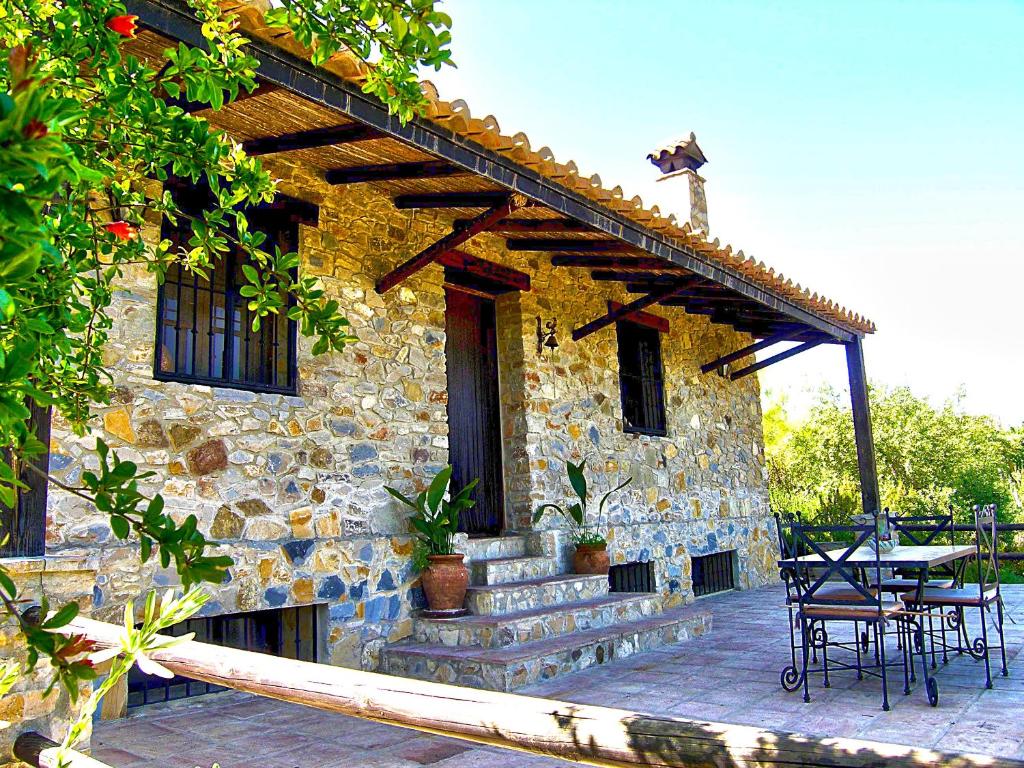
(125, 26)
(34, 129)
(122, 230)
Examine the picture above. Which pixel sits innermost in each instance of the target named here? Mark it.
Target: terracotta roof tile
(456, 116)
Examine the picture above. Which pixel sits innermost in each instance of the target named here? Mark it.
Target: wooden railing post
(36, 750)
(576, 732)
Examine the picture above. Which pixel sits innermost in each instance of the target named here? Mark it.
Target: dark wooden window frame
(25, 525)
(283, 210)
(647, 415)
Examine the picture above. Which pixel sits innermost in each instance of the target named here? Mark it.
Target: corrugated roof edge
(456, 117)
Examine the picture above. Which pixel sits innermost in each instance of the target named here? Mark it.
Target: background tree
(84, 130)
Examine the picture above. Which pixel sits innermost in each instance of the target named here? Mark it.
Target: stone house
(512, 314)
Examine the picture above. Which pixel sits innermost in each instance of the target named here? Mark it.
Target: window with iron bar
(631, 577)
(641, 381)
(713, 573)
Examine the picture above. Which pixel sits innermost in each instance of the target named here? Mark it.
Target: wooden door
(474, 421)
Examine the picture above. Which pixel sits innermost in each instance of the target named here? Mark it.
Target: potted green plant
(591, 555)
(435, 521)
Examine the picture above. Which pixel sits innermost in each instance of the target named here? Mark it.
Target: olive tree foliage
(928, 457)
(85, 130)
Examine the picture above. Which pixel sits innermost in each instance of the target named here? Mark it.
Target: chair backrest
(833, 565)
(986, 547)
(783, 525)
(924, 530)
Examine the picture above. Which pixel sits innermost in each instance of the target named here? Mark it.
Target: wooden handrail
(587, 734)
(37, 750)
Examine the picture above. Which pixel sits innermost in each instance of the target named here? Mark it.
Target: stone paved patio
(730, 675)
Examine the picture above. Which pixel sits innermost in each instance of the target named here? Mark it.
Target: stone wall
(293, 487)
(60, 580)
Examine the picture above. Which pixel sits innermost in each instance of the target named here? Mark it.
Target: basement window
(289, 633)
(641, 381)
(631, 577)
(713, 573)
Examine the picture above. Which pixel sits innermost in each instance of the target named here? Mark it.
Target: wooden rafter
(632, 278)
(657, 322)
(389, 171)
(619, 263)
(499, 274)
(486, 199)
(751, 349)
(624, 311)
(569, 245)
(761, 364)
(536, 225)
(312, 139)
(452, 240)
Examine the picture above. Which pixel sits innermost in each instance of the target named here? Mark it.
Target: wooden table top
(900, 557)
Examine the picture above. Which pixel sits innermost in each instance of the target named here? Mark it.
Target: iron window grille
(713, 573)
(24, 525)
(286, 632)
(631, 577)
(641, 379)
(204, 326)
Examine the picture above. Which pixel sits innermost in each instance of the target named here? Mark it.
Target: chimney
(683, 158)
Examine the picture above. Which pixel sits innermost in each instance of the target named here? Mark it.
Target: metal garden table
(904, 558)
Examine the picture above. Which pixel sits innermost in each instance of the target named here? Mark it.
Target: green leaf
(7, 307)
(576, 513)
(543, 508)
(604, 499)
(120, 526)
(438, 486)
(577, 479)
(62, 617)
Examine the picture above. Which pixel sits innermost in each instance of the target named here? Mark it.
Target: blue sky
(871, 150)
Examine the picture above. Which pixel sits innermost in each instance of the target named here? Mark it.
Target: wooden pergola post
(870, 498)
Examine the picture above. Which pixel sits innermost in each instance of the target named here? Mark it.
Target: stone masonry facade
(292, 487)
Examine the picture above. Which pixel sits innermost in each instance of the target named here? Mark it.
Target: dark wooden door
(474, 422)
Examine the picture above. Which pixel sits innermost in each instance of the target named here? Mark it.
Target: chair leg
(904, 647)
(824, 656)
(806, 635)
(945, 644)
(1002, 639)
(880, 636)
(984, 640)
(856, 642)
(931, 638)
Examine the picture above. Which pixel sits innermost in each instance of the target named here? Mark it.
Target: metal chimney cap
(678, 155)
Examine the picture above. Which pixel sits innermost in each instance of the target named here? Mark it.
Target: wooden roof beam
(450, 241)
(484, 199)
(488, 271)
(762, 364)
(392, 171)
(536, 225)
(751, 349)
(191, 107)
(624, 311)
(620, 263)
(569, 244)
(312, 139)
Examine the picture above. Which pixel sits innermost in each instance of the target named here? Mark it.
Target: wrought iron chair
(837, 595)
(984, 596)
(922, 531)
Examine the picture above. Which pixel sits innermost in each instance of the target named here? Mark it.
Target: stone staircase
(530, 622)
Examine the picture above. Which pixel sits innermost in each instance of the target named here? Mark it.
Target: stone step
(506, 669)
(502, 570)
(508, 629)
(493, 547)
(498, 599)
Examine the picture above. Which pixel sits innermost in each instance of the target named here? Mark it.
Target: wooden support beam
(624, 311)
(578, 733)
(390, 171)
(632, 278)
(39, 751)
(535, 225)
(869, 495)
(511, 279)
(739, 354)
(755, 367)
(657, 322)
(619, 263)
(452, 240)
(569, 245)
(452, 200)
(312, 139)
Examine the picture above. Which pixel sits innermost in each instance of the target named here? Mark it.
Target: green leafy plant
(575, 514)
(435, 518)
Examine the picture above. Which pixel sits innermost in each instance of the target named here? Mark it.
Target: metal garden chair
(984, 596)
(836, 594)
(922, 531)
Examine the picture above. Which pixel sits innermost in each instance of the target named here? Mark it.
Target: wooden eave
(595, 235)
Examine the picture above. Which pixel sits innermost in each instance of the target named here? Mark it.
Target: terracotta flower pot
(591, 559)
(445, 581)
